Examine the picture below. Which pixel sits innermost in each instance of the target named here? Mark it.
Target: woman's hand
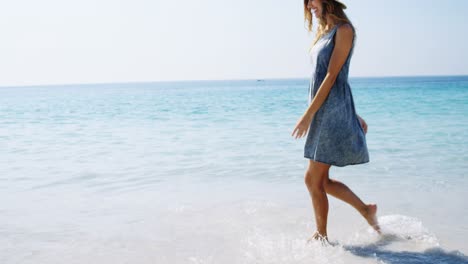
(363, 124)
(302, 126)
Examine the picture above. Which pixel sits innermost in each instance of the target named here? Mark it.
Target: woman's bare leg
(315, 177)
(344, 193)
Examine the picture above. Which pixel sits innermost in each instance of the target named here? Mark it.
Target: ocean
(207, 172)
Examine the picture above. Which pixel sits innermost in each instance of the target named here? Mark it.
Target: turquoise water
(207, 172)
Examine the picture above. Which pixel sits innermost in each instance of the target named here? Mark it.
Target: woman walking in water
(336, 134)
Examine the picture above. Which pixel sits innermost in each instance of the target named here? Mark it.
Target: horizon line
(220, 80)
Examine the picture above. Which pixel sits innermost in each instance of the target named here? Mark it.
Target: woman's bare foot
(371, 216)
(318, 237)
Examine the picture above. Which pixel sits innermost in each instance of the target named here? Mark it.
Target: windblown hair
(332, 9)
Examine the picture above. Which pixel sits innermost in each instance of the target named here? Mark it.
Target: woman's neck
(330, 23)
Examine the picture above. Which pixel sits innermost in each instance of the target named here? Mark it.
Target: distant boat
(260, 80)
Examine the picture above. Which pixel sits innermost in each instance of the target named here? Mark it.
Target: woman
(336, 134)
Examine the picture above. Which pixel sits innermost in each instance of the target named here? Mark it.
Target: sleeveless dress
(335, 135)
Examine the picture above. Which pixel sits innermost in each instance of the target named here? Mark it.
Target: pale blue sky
(95, 41)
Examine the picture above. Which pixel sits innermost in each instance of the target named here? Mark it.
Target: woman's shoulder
(345, 28)
(345, 31)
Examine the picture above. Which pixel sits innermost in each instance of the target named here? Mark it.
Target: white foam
(399, 232)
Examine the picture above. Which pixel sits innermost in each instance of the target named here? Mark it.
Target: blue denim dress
(335, 135)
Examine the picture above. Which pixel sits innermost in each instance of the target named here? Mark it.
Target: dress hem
(336, 164)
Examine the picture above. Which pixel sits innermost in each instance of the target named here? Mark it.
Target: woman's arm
(343, 43)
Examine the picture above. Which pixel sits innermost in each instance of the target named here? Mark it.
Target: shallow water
(207, 172)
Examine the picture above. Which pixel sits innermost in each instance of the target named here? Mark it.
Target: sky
(106, 41)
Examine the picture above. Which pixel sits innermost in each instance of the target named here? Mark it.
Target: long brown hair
(331, 8)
